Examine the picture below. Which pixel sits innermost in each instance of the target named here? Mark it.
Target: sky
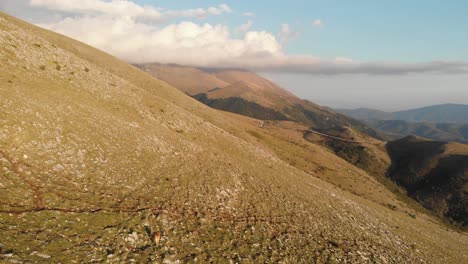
(389, 55)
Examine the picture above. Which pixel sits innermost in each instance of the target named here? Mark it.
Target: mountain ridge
(441, 113)
(445, 122)
(249, 89)
(435, 131)
(435, 173)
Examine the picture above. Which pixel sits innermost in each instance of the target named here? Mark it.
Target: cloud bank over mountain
(143, 33)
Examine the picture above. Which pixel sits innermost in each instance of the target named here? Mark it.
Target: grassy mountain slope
(249, 91)
(356, 168)
(434, 173)
(239, 105)
(183, 77)
(391, 164)
(367, 153)
(230, 83)
(97, 156)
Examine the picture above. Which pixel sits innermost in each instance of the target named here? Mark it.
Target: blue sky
(390, 55)
(413, 30)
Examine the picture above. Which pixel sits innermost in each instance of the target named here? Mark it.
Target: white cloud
(317, 23)
(248, 14)
(126, 8)
(286, 33)
(337, 66)
(209, 45)
(200, 12)
(244, 27)
(141, 34)
(183, 43)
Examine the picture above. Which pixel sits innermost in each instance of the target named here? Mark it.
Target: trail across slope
(343, 139)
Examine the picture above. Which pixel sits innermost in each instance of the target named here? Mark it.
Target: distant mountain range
(443, 113)
(446, 122)
(435, 131)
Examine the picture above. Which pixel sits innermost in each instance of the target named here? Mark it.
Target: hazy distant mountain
(440, 131)
(443, 113)
(366, 113)
(445, 122)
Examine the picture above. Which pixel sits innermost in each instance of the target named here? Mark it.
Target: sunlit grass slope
(97, 158)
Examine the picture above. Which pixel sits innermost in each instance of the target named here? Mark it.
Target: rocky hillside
(100, 162)
(434, 173)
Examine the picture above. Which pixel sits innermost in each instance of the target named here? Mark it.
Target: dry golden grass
(96, 156)
(189, 79)
(233, 83)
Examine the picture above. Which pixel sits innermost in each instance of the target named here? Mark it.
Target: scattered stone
(156, 237)
(41, 255)
(45, 256)
(132, 238)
